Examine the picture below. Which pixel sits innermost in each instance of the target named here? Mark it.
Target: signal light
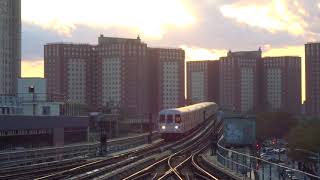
(257, 146)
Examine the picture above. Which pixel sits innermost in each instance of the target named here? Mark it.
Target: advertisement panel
(239, 131)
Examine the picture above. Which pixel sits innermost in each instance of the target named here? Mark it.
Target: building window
(46, 110)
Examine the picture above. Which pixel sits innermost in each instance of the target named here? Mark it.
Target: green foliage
(305, 136)
(274, 124)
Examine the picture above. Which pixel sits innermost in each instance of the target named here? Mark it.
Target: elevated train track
(69, 167)
(185, 161)
(181, 159)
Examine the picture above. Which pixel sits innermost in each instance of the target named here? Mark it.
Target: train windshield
(162, 118)
(178, 118)
(169, 118)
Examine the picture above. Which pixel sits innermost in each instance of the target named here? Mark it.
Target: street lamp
(32, 91)
(313, 153)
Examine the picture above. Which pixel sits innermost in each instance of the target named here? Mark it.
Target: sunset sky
(205, 29)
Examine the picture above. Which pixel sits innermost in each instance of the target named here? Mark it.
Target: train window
(169, 118)
(162, 118)
(178, 118)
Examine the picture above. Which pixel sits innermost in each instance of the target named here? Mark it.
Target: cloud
(197, 53)
(149, 17)
(273, 16)
(32, 68)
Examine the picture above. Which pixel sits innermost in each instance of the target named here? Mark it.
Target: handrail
(268, 162)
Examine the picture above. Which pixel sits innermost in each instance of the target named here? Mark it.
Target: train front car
(170, 124)
(174, 123)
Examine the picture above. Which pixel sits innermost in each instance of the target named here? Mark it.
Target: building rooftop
(69, 43)
(110, 40)
(271, 57)
(254, 54)
(313, 42)
(164, 48)
(199, 61)
(32, 78)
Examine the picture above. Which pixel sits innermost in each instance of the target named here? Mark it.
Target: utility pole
(31, 90)
(150, 129)
(103, 137)
(214, 138)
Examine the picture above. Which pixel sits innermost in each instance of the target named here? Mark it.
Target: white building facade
(32, 98)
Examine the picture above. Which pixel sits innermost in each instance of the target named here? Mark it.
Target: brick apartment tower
(312, 52)
(282, 84)
(123, 74)
(168, 73)
(240, 75)
(117, 73)
(202, 81)
(69, 69)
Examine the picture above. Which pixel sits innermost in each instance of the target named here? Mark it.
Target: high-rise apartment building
(282, 84)
(10, 45)
(124, 74)
(114, 74)
(167, 82)
(202, 81)
(312, 54)
(239, 81)
(69, 71)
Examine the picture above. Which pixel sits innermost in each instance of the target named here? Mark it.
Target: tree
(304, 136)
(274, 125)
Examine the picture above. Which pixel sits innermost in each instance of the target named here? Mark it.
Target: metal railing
(40, 97)
(256, 168)
(24, 157)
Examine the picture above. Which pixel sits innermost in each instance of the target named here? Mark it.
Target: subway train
(176, 122)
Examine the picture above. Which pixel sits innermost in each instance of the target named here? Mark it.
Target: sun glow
(32, 68)
(150, 17)
(198, 53)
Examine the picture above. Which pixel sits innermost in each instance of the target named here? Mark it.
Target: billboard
(239, 131)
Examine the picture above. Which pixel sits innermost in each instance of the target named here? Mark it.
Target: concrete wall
(54, 109)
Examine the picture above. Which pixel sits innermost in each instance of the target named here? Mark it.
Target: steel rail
(99, 163)
(198, 167)
(185, 145)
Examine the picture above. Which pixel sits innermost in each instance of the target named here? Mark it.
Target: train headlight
(176, 127)
(163, 127)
